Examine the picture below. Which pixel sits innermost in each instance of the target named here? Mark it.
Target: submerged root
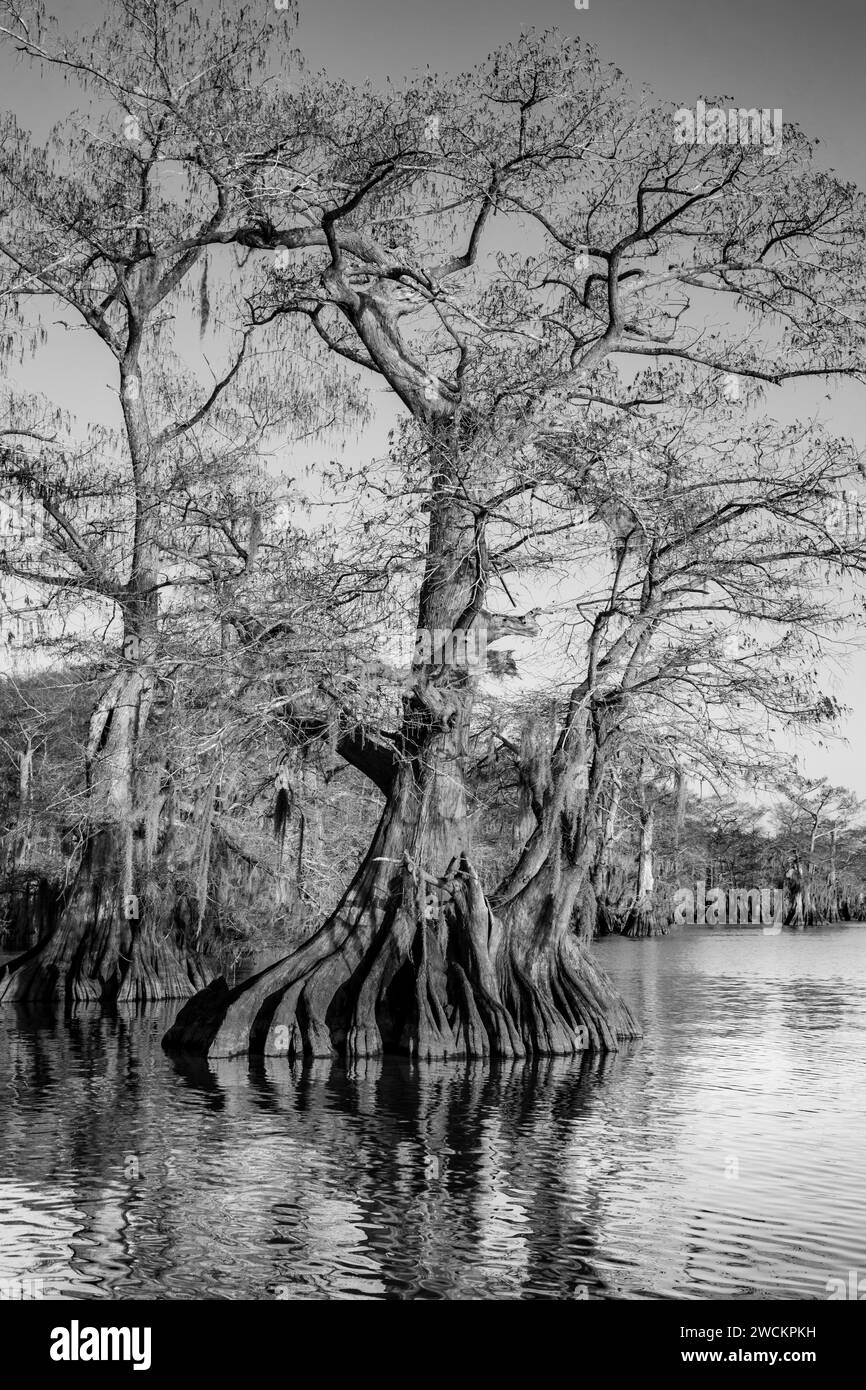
(643, 921)
(387, 978)
(158, 970)
(94, 955)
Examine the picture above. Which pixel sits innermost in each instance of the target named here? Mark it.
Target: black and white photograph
(432, 670)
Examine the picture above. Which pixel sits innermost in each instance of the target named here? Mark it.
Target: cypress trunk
(642, 918)
(114, 939)
(415, 958)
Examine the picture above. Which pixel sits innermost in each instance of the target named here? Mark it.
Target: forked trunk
(415, 958)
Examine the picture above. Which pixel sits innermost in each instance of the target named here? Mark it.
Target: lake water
(722, 1156)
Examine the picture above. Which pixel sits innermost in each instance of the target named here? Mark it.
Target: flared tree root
(643, 920)
(95, 954)
(393, 971)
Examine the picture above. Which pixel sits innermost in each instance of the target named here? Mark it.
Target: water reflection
(719, 1157)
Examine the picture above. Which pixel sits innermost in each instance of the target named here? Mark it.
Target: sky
(805, 58)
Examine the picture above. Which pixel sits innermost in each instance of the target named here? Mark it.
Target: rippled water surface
(723, 1156)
